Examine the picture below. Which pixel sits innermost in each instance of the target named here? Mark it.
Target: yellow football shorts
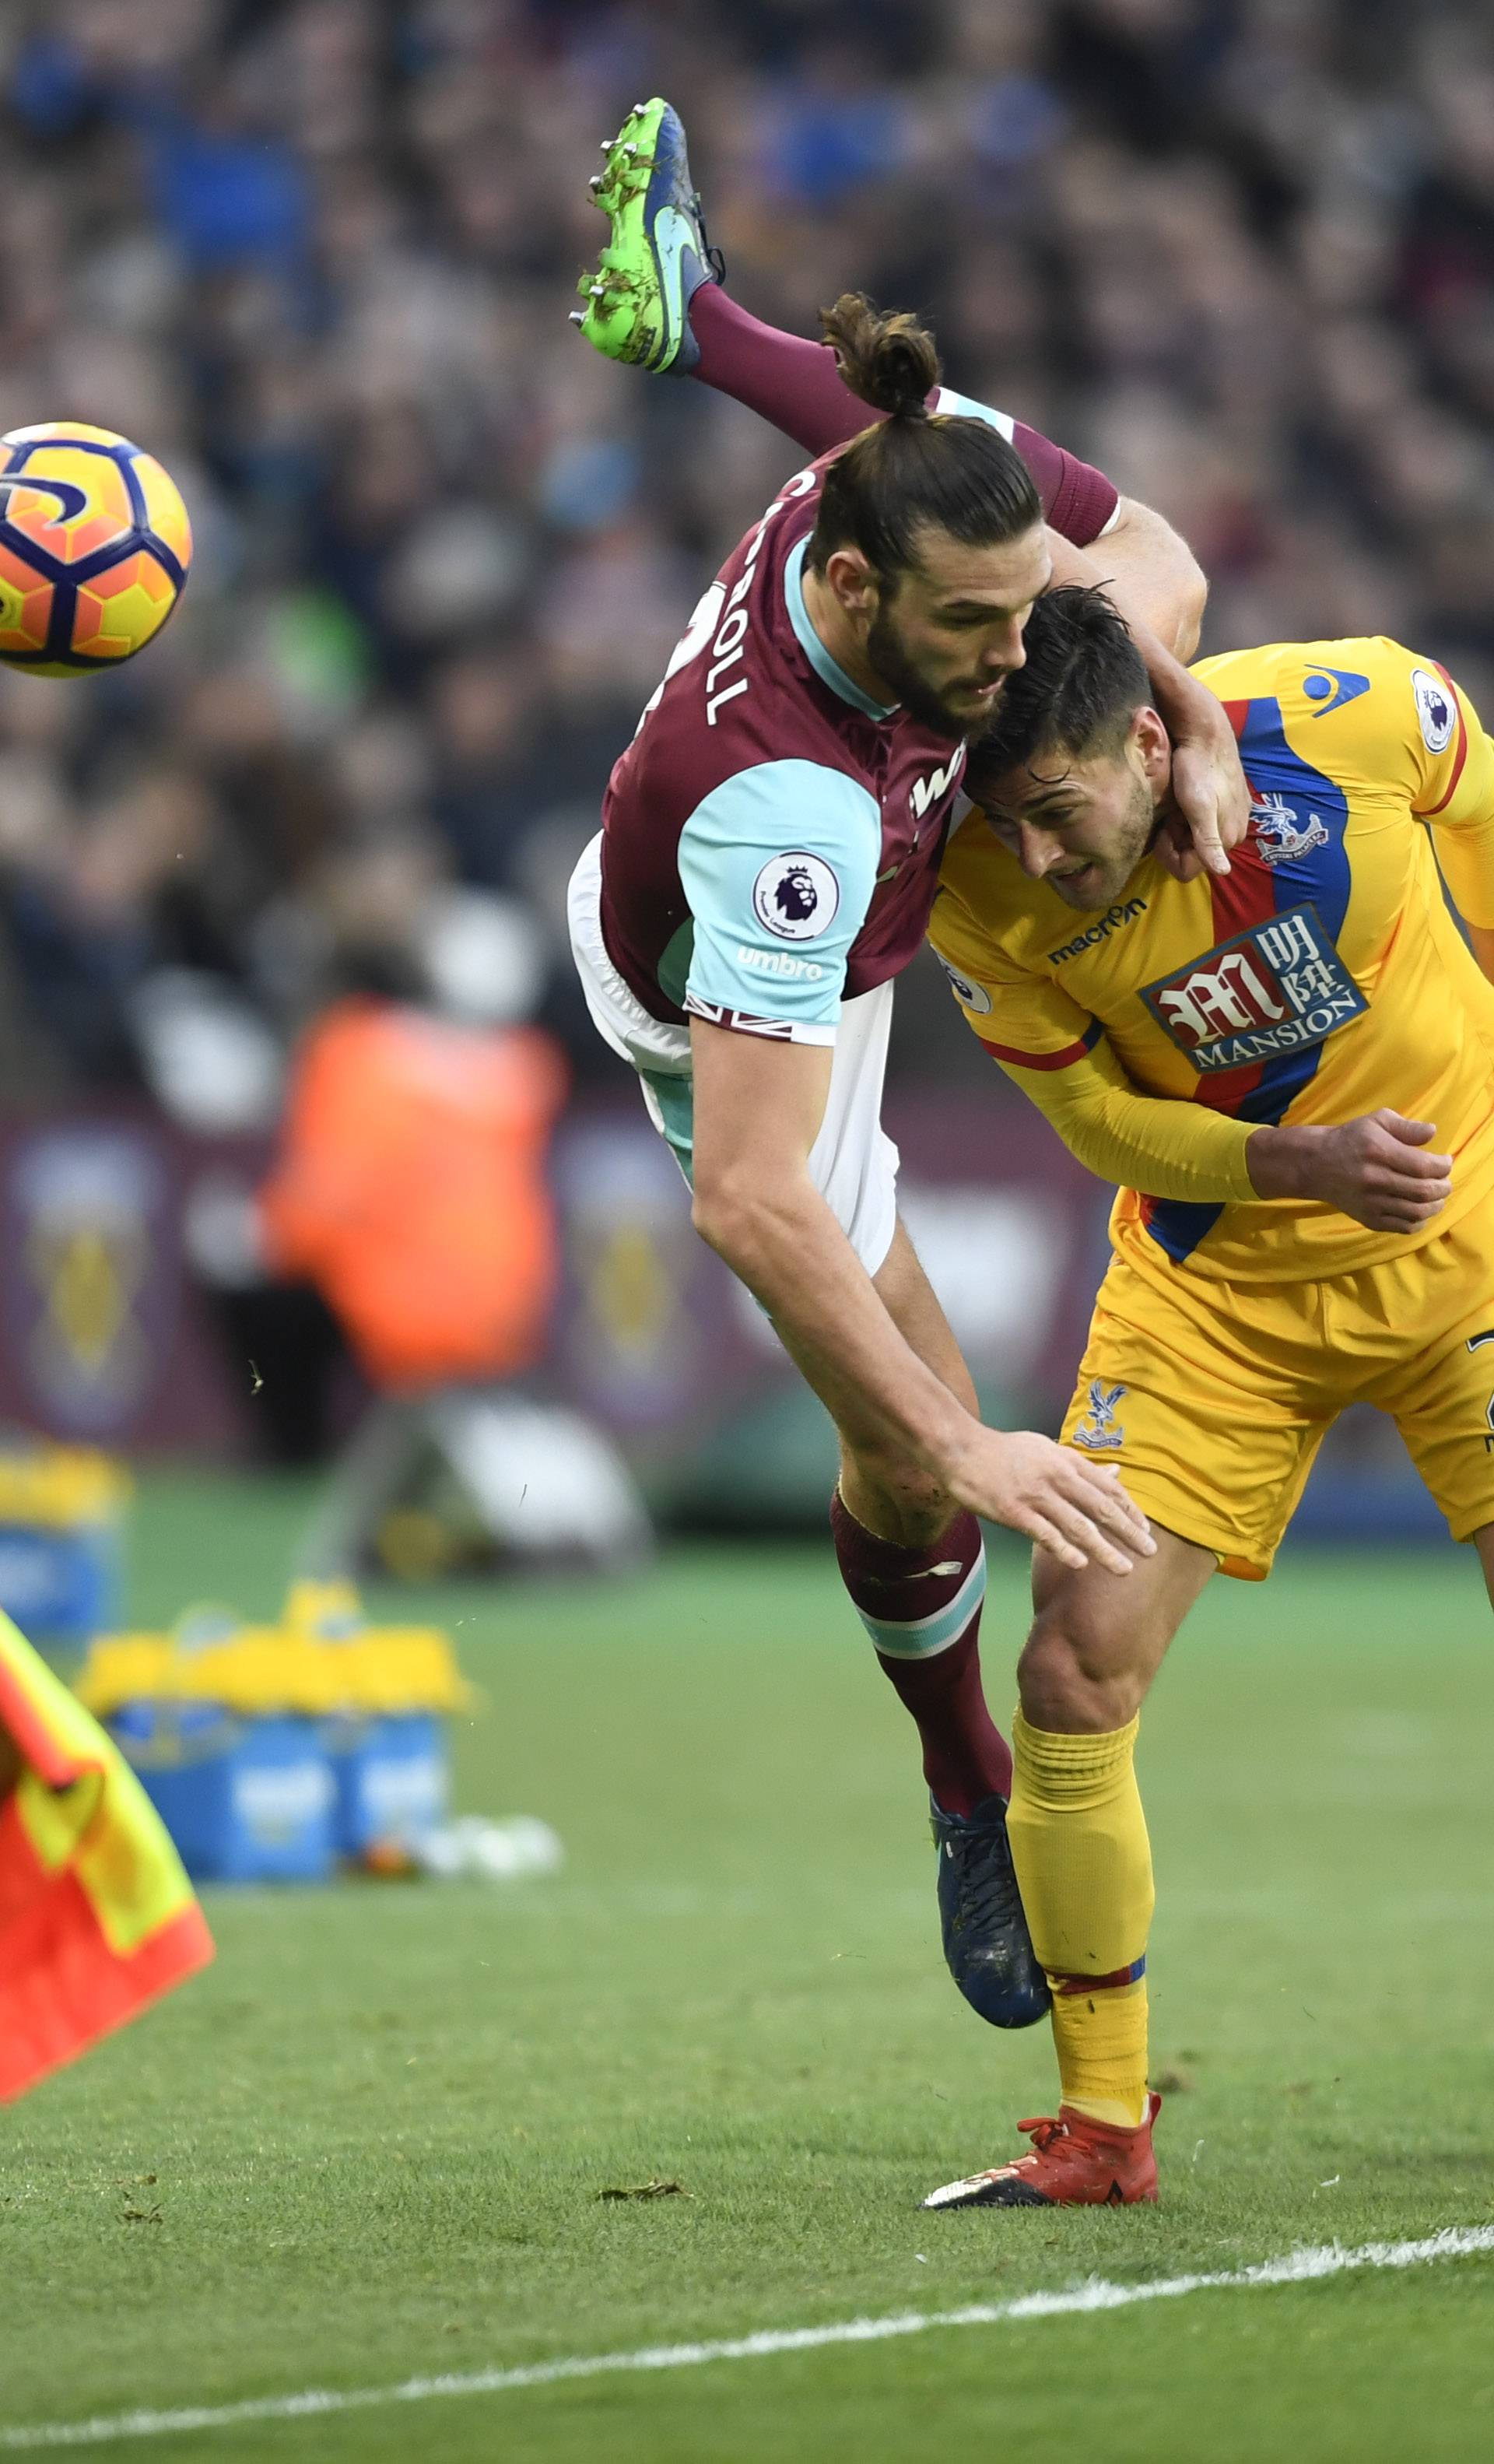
(1212, 1398)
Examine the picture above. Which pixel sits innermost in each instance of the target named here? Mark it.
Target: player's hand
(1076, 1509)
(1375, 1169)
(1209, 793)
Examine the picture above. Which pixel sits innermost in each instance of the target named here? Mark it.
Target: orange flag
(97, 1916)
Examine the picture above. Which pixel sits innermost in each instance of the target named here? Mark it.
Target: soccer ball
(94, 546)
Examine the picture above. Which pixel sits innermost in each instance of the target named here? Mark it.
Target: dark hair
(915, 469)
(1081, 684)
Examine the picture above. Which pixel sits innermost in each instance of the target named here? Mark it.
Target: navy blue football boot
(987, 1946)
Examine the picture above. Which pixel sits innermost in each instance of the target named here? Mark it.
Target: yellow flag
(97, 1915)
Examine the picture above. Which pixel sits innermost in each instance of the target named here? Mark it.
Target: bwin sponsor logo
(1098, 932)
(779, 962)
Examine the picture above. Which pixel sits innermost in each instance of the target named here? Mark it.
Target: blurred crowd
(318, 256)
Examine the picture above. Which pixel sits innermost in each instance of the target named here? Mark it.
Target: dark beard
(906, 686)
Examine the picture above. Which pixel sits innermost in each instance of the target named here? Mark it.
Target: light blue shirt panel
(728, 853)
(961, 406)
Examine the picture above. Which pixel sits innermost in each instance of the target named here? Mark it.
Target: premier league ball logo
(796, 896)
(1436, 709)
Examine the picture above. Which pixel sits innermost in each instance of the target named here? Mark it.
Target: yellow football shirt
(1321, 979)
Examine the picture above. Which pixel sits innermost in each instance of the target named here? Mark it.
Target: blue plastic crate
(246, 1800)
(392, 1776)
(60, 1582)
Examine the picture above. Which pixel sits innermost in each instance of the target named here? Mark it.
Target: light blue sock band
(924, 1638)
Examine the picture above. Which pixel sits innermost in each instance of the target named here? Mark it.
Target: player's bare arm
(1153, 575)
(757, 1109)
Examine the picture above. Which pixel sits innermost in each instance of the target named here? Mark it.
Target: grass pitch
(370, 2141)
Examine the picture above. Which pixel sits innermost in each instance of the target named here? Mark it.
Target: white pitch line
(1297, 2267)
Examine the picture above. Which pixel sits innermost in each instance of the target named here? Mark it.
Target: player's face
(1083, 826)
(948, 635)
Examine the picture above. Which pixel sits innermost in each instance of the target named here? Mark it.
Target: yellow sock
(1100, 2043)
(1084, 1863)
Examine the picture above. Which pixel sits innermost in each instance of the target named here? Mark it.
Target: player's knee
(1078, 1674)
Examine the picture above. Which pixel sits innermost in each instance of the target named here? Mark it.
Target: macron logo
(779, 962)
(1100, 932)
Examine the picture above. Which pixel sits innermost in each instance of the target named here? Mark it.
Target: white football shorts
(852, 1163)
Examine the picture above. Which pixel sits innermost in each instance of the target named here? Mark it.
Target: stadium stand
(318, 255)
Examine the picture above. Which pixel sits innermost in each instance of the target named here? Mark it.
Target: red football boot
(1075, 2163)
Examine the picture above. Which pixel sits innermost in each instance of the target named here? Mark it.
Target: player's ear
(1151, 747)
(852, 581)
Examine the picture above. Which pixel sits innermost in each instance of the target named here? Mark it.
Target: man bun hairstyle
(1080, 684)
(917, 469)
(884, 356)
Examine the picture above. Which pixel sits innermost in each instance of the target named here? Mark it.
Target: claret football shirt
(772, 836)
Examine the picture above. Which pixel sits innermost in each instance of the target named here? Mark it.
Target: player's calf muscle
(892, 1496)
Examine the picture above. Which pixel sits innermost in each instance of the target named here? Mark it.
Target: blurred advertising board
(101, 1341)
(107, 1338)
(656, 1336)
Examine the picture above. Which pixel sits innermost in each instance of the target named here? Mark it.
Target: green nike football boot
(638, 300)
